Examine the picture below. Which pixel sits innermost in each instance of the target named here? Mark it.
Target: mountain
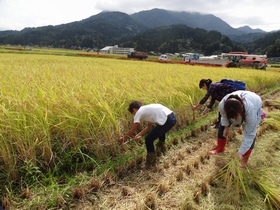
(102, 29)
(248, 30)
(139, 29)
(181, 38)
(155, 18)
(269, 44)
(159, 17)
(246, 38)
(248, 35)
(118, 22)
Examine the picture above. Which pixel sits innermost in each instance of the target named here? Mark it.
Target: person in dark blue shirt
(216, 90)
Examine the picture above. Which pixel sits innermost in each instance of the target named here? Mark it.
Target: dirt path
(182, 179)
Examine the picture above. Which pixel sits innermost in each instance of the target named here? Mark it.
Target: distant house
(116, 50)
(106, 49)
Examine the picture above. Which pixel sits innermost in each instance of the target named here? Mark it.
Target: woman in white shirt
(240, 108)
(157, 114)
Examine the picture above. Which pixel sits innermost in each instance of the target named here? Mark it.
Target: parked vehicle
(211, 57)
(137, 54)
(163, 57)
(188, 57)
(245, 60)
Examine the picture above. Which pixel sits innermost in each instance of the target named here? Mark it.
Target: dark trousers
(159, 132)
(221, 131)
(1, 208)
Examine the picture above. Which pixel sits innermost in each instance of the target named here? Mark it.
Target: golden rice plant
(272, 103)
(264, 183)
(232, 175)
(273, 120)
(192, 104)
(239, 181)
(55, 108)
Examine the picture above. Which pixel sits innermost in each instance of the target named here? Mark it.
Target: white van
(163, 57)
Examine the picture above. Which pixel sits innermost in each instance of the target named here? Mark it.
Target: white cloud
(18, 14)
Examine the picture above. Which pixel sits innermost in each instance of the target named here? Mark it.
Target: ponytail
(205, 81)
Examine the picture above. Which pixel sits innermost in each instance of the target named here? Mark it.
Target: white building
(116, 50)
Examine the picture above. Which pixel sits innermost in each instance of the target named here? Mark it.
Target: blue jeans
(159, 132)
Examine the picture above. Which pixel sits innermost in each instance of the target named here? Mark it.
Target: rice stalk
(233, 176)
(264, 184)
(239, 180)
(190, 99)
(273, 120)
(52, 105)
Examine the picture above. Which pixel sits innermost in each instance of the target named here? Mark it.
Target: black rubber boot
(161, 147)
(151, 160)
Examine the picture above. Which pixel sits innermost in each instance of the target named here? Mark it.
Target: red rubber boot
(220, 146)
(245, 158)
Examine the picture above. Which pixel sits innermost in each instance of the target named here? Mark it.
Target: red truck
(245, 60)
(138, 55)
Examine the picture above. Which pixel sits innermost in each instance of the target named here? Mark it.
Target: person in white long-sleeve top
(240, 108)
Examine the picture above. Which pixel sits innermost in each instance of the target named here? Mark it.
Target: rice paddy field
(61, 117)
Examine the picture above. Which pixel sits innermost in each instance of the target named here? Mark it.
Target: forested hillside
(269, 44)
(98, 31)
(159, 17)
(181, 38)
(155, 30)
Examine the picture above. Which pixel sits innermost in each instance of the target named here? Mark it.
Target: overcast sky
(18, 14)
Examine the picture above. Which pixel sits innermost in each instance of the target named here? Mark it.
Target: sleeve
(249, 131)
(207, 95)
(137, 117)
(210, 92)
(205, 98)
(211, 103)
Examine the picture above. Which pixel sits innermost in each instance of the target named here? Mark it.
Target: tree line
(174, 38)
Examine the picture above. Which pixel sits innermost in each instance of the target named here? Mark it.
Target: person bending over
(217, 91)
(158, 114)
(240, 108)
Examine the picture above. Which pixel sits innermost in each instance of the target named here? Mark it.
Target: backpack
(237, 84)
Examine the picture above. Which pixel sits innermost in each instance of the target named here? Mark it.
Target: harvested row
(185, 177)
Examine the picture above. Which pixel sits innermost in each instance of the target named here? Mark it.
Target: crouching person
(240, 108)
(157, 114)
